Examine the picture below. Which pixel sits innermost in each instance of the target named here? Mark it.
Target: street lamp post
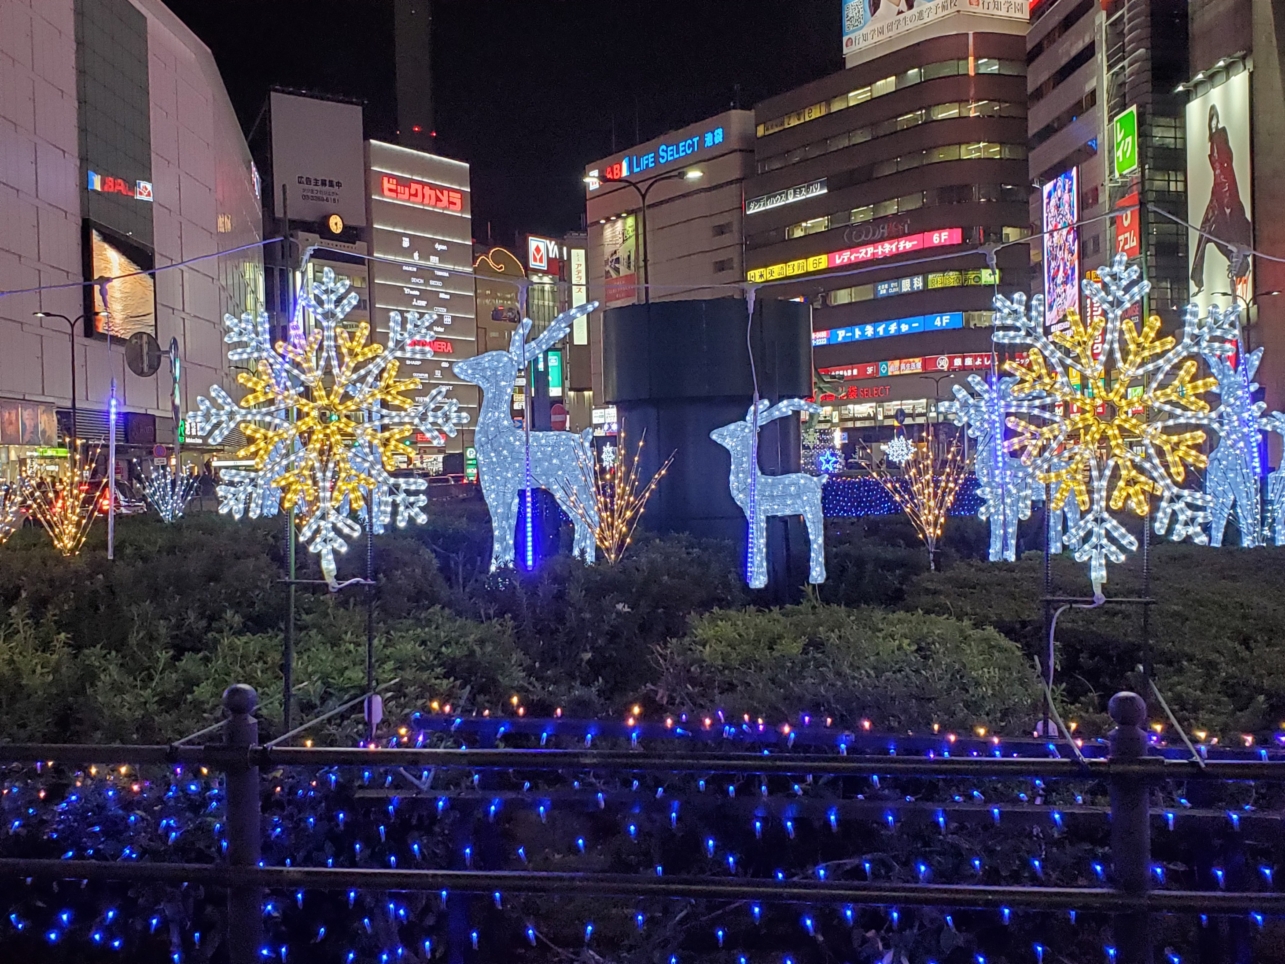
(71, 336)
(691, 174)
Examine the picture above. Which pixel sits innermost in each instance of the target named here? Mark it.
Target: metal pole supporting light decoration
(926, 489)
(327, 420)
(66, 504)
(1110, 413)
(617, 502)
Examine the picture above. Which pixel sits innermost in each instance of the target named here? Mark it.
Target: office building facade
(893, 198)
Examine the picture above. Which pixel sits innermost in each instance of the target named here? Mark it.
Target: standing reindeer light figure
(760, 496)
(512, 461)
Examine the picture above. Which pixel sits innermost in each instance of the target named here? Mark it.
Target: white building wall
(205, 201)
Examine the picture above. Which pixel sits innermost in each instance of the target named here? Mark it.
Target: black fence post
(1130, 826)
(245, 904)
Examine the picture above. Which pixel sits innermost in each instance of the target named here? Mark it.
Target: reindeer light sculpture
(512, 461)
(760, 496)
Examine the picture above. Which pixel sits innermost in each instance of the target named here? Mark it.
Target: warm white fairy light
(926, 490)
(11, 504)
(512, 461)
(619, 495)
(774, 495)
(327, 418)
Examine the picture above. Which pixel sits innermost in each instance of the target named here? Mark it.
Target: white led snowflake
(1109, 413)
(899, 450)
(327, 417)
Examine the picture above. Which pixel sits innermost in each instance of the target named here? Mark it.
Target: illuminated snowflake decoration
(167, 495)
(899, 450)
(609, 456)
(327, 419)
(1113, 415)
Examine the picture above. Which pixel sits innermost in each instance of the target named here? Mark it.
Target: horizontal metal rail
(643, 886)
(626, 761)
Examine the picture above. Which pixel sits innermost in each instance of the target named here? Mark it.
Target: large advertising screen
(1061, 247)
(872, 23)
(130, 306)
(1219, 198)
(318, 157)
(620, 260)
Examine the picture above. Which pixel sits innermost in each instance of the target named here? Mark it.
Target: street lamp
(71, 335)
(691, 174)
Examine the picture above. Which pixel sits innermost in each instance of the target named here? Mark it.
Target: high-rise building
(122, 155)
(1091, 62)
(413, 42)
(893, 197)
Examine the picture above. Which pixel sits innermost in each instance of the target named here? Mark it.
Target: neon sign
(439, 346)
(886, 329)
(106, 184)
(417, 192)
(866, 252)
(664, 154)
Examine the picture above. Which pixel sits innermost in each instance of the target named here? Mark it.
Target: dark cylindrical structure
(1130, 826)
(680, 369)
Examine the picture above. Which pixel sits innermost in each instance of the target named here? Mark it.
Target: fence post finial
(1130, 826)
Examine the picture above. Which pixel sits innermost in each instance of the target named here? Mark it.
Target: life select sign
(668, 153)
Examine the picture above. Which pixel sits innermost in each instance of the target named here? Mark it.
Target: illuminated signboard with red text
(438, 346)
(417, 192)
(874, 251)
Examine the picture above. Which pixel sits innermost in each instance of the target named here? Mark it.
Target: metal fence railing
(1130, 770)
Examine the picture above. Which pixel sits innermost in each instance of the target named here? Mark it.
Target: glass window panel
(861, 214)
(944, 111)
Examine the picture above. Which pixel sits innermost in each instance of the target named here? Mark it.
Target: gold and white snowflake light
(1113, 414)
(327, 418)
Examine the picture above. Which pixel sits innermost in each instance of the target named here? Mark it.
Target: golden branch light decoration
(66, 504)
(327, 419)
(1112, 413)
(618, 502)
(11, 503)
(927, 489)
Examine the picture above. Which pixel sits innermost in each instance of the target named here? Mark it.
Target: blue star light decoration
(1005, 484)
(1109, 413)
(327, 419)
(828, 462)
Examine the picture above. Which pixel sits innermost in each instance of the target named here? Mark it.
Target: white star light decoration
(327, 418)
(1110, 414)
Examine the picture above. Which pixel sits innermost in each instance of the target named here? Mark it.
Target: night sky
(528, 91)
